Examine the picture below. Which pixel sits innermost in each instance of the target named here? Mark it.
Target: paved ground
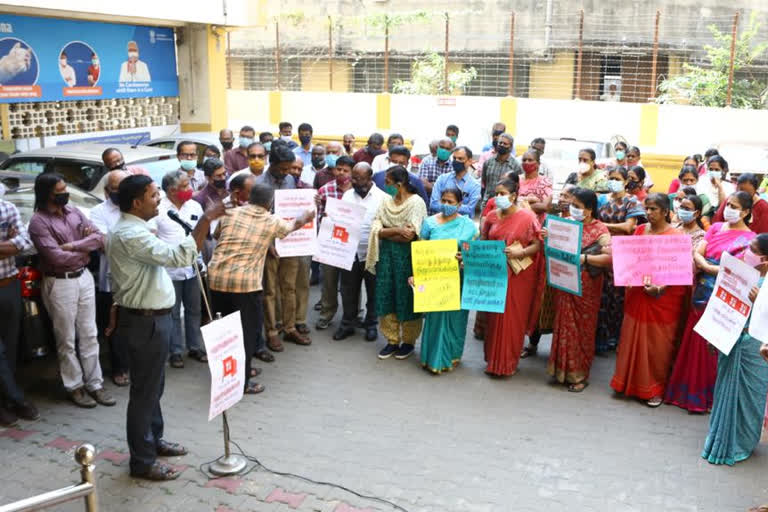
(457, 442)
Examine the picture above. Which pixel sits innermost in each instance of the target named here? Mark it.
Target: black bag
(593, 249)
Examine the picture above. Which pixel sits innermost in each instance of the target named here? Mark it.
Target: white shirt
(170, 232)
(68, 74)
(197, 180)
(141, 75)
(104, 216)
(309, 172)
(247, 170)
(382, 163)
(371, 202)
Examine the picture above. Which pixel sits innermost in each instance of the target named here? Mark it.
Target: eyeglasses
(254, 157)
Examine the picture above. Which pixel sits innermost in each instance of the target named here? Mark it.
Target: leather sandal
(253, 388)
(297, 338)
(158, 472)
(255, 372)
(167, 449)
(274, 343)
(264, 355)
(302, 328)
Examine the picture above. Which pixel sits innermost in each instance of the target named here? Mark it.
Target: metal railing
(86, 489)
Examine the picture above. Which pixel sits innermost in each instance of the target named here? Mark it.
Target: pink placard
(665, 260)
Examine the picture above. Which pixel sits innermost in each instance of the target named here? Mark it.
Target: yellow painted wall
(553, 80)
(314, 75)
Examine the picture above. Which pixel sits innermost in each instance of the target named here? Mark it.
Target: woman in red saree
(573, 336)
(521, 233)
(651, 324)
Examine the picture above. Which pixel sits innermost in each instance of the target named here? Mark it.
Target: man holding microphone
(145, 295)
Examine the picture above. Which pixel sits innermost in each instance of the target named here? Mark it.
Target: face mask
(687, 216)
(220, 183)
(257, 164)
(343, 180)
(304, 139)
(502, 150)
(318, 162)
(443, 154)
(361, 191)
(63, 62)
(503, 202)
(496, 133)
(95, 62)
(752, 259)
(714, 175)
(583, 167)
(115, 198)
(188, 165)
(330, 160)
(133, 55)
(530, 167)
(286, 138)
(449, 209)
(633, 185)
(458, 166)
(495, 145)
(185, 195)
(226, 145)
(244, 142)
(620, 155)
(61, 199)
(453, 138)
(576, 213)
(268, 146)
(119, 165)
(391, 190)
(731, 215)
(615, 186)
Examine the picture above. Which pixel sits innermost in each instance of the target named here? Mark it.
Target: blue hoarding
(45, 59)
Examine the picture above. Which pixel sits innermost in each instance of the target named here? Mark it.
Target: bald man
(226, 139)
(334, 148)
(104, 217)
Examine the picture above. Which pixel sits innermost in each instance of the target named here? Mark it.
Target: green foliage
(709, 86)
(382, 21)
(427, 77)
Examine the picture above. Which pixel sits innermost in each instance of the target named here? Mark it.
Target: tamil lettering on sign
(660, 260)
(485, 276)
(289, 205)
(223, 341)
(436, 284)
(563, 253)
(339, 233)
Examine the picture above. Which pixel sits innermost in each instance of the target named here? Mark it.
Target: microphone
(175, 217)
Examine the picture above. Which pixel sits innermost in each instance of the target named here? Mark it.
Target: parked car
(82, 168)
(562, 157)
(201, 139)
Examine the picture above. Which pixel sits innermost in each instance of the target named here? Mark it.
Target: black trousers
(118, 351)
(10, 308)
(251, 307)
(148, 339)
(351, 281)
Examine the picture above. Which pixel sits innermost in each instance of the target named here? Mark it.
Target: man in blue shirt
(304, 150)
(400, 155)
(459, 178)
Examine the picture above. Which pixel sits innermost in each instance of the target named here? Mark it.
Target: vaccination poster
(47, 59)
(485, 270)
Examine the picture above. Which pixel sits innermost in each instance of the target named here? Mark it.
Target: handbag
(593, 249)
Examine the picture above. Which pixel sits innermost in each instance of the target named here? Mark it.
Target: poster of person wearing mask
(75, 61)
(67, 71)
(94, 70)
(133, 69)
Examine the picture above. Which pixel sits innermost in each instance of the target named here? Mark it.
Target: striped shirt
(10, 218)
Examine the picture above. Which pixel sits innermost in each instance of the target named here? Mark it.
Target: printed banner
(485, 276)
(436, 284)
(563, 252)
(662, 260)
(290, 204)
(758, 323)
(226, 360)
(729, 306)
(339, 234)
(48, 59)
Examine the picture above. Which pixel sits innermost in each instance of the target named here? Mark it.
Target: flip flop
(578, 387)
(253, 388)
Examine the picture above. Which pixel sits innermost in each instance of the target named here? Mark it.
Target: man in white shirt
(382, 162)
(67, 71)
(178, 198)
(364, 192)
(317, 164)
(134, 70)
(104, 216)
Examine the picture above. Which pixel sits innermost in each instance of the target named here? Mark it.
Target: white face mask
(133, 55)
(286, 138)
(576, 213)
(615, 186)
(583, 167)
(731, 215)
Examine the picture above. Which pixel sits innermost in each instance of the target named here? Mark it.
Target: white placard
(729, 306)
(339, 233)
(289, 205)
(758, 323)
(226, 360)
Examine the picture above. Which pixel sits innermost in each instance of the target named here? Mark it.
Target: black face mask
(115, 198)
(61, 199)
(220, 183)
(496, 133)
(361, 191)
(304, 139)
(118, 166)
(502, 150)
(227, 145)
(633, 185)
(318, 163)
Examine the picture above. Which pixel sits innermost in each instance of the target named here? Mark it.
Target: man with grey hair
(503, 163)
(178, 195)
(237, 267)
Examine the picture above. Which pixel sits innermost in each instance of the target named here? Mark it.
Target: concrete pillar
(202, 78)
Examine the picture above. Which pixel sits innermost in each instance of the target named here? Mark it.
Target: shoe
(371, 334)
(103, 397)
(167, 449)
(27, 411)
(7, 418)
(158, 471)
(297, 338)
(387, 351)
(176, 361)
(322, 324)
(343, 333)
(81, 398)
(405, 351)
(198, 355)
(318, 306)
(274, 343)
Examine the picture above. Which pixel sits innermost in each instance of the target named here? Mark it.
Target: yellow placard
(435, 276)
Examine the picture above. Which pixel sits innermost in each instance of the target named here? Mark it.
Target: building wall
(553, 79)
(315, 75)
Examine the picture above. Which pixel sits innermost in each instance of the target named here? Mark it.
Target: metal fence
(560, 54)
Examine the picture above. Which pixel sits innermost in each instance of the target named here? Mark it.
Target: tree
(709, 86)
(427, 77)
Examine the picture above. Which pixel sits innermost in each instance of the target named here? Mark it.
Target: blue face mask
(503, 202)
(330, 160)
(188, 165)
(268, 146)
(615, 186)
(686, 215)
(443, 154)
(449, 209)
(245, 142)
(620, 155)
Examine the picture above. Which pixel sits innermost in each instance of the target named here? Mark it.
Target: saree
(691, 385)
(612, 303)
(649, 335)
(739, 403)
(573, 335)
(442, 340)
(506, 331)
(540, 186)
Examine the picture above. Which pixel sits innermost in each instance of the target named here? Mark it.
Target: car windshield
(158, 168)
(569, 149)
